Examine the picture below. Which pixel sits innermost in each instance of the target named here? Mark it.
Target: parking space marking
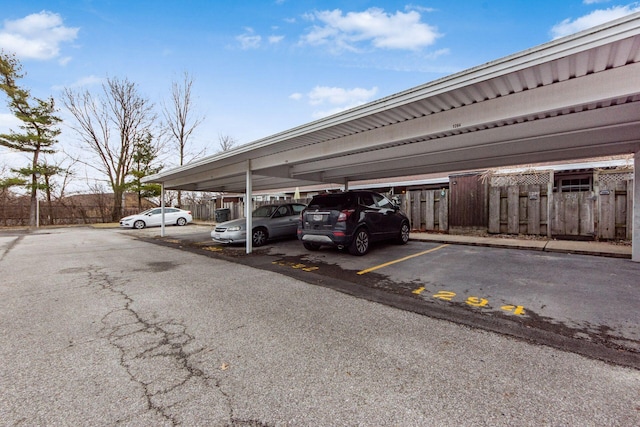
(473, 301)
(296, 266)
(386, 264)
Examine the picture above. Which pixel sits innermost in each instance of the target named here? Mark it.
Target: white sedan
(153, 218)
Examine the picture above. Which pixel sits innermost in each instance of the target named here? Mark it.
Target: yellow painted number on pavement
(515, 309)
(445, 295)
(477, 302)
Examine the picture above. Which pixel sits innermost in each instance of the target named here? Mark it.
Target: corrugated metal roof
(487, 116)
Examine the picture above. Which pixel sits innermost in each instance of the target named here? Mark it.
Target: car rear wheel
(311, 246)
(403, 237)
(181, 221)
(139, 224)
(360, 244)
(259, 236)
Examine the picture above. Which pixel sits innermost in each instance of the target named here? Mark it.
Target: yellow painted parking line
(368, 270)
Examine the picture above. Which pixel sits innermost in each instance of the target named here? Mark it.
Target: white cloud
(275, 39)
(8, 121)
(340, 96)
(337, 99)
(595, 1)
(296, 96)
(593, 19)
(438, 53)
(82, 82)
(249, 40)
(419, 8)
(345, 32)
(64, 61)
(36, 36)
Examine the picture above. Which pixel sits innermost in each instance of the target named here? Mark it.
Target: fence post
(443, 217)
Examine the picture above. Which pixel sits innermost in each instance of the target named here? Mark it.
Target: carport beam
(635, 237)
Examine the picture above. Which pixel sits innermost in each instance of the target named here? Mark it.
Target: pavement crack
(10, 246)
(156, 355)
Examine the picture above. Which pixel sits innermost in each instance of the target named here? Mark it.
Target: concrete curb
(557, 246)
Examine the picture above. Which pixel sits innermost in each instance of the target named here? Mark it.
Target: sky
(261, 67)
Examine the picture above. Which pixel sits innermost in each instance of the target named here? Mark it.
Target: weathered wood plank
(557, 215)
(522, 212)
(606, 212)
(586, 222)
(621, 209)
(429, 218)
(416, 202)
(443, 212)
(513, 209)
(629, 209)
(494, 210)
(571, 214)
(533, 209)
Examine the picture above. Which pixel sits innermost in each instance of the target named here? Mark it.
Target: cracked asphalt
(100, 328)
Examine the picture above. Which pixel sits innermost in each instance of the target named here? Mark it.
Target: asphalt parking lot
(585, 304)
(122, 327)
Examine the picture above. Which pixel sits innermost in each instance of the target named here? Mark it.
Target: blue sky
(261, 67)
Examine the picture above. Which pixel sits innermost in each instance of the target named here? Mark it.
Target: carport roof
(571, 98)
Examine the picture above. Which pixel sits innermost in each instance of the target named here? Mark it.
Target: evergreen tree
(145, 153)
(38, 129)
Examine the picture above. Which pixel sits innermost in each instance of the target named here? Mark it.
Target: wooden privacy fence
(428, 209)
(519, 204)
(528, 204)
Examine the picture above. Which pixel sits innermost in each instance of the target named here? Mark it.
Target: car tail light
(344, 215)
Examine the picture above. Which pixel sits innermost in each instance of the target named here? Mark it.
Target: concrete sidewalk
(546, 245)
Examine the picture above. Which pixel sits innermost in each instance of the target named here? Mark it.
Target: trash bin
(222, 215)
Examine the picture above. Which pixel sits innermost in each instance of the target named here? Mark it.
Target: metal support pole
(248, 208)
(162, 210)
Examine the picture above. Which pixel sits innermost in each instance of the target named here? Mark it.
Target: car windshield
(148, 211)
(264, 211)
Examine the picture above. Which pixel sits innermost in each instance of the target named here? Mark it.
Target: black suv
(351, 219)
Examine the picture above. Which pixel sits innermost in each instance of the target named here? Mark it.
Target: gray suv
(352, 220)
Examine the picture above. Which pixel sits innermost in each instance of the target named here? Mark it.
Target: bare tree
(110, 125)
(181, 121)
(226, 142)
